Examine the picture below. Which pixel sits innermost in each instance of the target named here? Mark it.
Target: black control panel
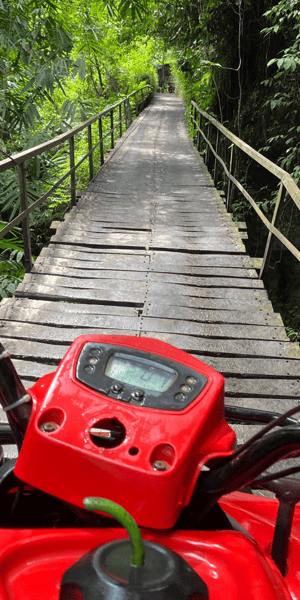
(138, 377)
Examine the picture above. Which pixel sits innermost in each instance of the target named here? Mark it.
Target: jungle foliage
(60, 63)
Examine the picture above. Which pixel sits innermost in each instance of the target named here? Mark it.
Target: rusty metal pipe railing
(287, 184)
(19, 160)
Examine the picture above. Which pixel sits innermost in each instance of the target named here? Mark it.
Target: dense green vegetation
(60, 62)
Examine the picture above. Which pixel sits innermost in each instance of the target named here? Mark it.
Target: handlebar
(13, 397)
(242, 468)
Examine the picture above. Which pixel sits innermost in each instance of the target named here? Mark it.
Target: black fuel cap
(133, 569)
(106, 573)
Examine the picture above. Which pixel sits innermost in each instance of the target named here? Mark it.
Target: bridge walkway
(150, 250)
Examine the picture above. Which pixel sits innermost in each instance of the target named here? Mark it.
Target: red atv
(131, 433)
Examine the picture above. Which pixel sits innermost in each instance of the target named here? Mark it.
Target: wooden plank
(65, 307)
(267, 388)
(206, 292)
(206, 244)
(212, 316)
(278, 405)
(211, 347)
(160, 257)
(43, 333)
(262, 368)
(259, 367)
(72, 319)
(79, 225)
(124, 274)
(32, 370)
(104, 238)
(222, 304)
(101, 296)
(82, 283)
(59, 315)
(202, 280)
(143, 264)
(222, 330)
(232, 348)
(36, 351)
(140, 276)
(131, 297)
(251, 304)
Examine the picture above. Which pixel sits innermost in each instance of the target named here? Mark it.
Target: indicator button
(89, 369)
(117, 388)
(179, 397)
(138, 395)
(96, 351)
(191, 380)
(93, 360)
(186, 388)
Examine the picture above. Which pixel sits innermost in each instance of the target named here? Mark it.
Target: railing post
(194, 122)
(101, 141)
(198, 132)
(91, 168)
(207, 146)
(136, 106)
(72, 176)
(230, 185)
(120, 118)
(25, 222)
(129, 111)
(270, 240)
(112, 128)
(125, 115)
(216, 160)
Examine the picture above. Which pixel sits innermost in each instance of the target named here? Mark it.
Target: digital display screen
(141, 373)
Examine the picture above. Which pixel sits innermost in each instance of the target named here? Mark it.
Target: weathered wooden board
(258, 367)
(261, 368)
(233, 348)
(201, 345)
(58, 319)
(204, 245)
(132, 275)
(9, 308)
(56, 335)
(217, 304)
(43, 264)
(34, 281)
(267, 388)
(111, 296)
(252, 303)
(212, 316)
(220, 330)
(161, 257)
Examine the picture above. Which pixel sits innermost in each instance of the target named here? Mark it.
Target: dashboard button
(95, 351)
(185, 388)
(191, 380)
(117, 388)
(179, 397)
(138, 395)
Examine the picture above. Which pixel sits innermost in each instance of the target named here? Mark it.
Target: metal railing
(287, 184)
(125, 106)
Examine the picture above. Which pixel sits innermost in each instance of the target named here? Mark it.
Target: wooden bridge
(150, 250)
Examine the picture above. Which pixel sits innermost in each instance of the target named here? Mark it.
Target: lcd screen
(141, 373)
